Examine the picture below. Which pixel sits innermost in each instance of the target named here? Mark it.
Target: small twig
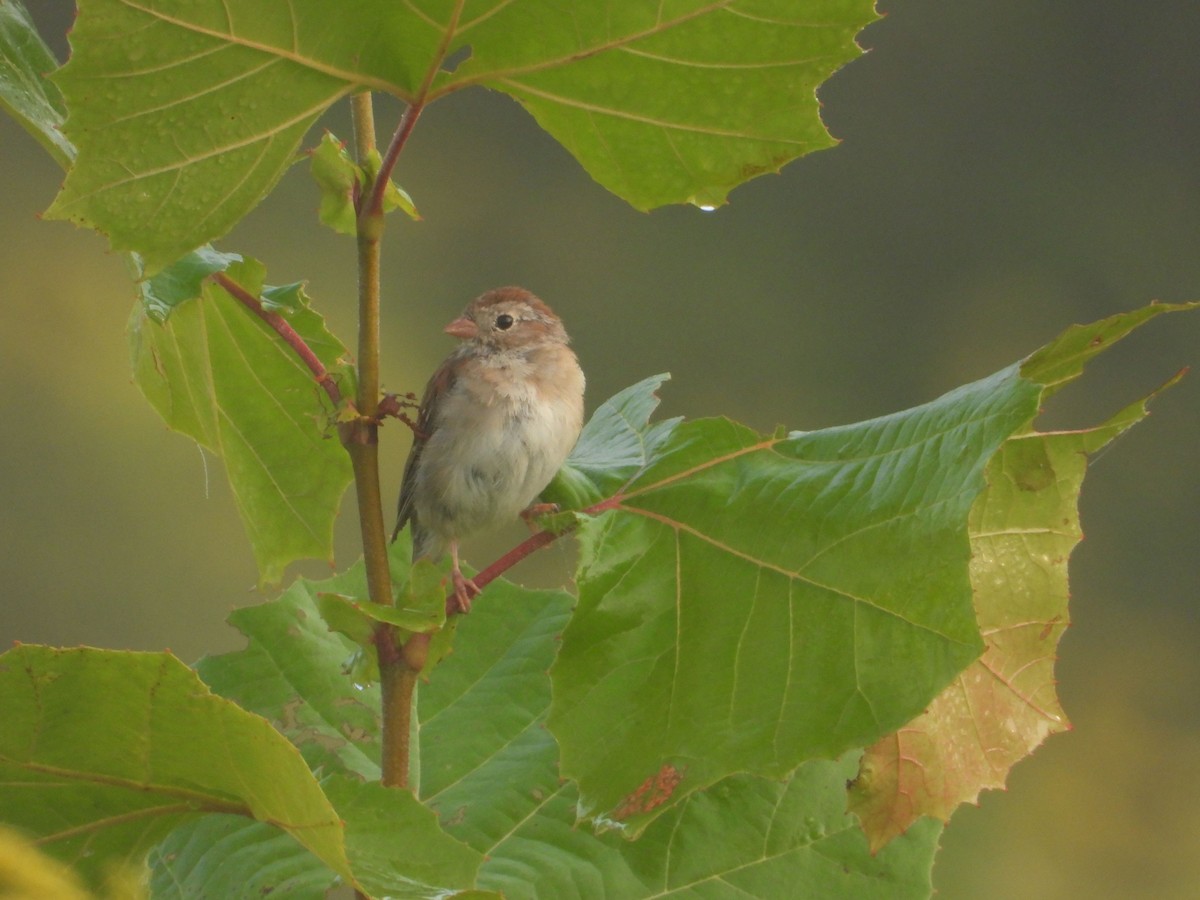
(373, 206)
(528, 546)
(281, 327)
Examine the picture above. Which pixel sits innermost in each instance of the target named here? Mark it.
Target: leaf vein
(180, 101)
(584, 53)
(188, 160)
(517, 825)
(732, 66)
(626, 115)
(360, 79)
(211, 801)
(483, 17)
(733, 551)
(498, 749)
(173, 63)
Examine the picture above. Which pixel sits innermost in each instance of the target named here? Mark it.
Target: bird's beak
(463, 329)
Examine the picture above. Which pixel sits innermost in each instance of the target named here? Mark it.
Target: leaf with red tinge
(1023, 528)
(489, 771)
(750, 602)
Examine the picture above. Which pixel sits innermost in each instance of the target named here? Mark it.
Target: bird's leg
(535, 511)
(464, 587)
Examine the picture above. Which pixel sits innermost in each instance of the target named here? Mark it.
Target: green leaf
(394, 844)
(1023, 528)
(338, 177)
(486, 757)
(291, 673)
(26, 93)
(743, 837)
(420, 605)
(341, 180)
(356, 619)
(487, 763)
(751, 602)
(184, 280)
(103, 752)
(187, 114)
(292, 669)
(617, 442)
(228, 856)
(667, 104)
(1062, 360)
(220, 375)
(394, 197)
(489, 769)
(285, 298)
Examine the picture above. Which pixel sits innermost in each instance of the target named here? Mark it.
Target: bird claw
(464, 590)
(535, 511)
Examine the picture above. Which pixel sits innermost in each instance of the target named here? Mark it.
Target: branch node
(359, 431)
(416, 651)
(385, 644)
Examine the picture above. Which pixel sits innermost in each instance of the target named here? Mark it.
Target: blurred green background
(1006, 169)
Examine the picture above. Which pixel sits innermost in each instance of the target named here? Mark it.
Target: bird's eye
(504, 321)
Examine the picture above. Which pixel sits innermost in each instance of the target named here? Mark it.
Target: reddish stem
(281, 327)
(525, 548)
(374, 201)
(373, 207)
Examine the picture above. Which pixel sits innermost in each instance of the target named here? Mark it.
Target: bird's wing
(441, 382)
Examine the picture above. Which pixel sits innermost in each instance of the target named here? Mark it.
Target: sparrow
(496, 422)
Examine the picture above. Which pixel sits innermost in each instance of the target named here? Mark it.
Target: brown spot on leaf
(651, 793)
(288, 718)
(1049, 628)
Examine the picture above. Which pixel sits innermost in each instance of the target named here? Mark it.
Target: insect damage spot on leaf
(651, 793)
(456, 59)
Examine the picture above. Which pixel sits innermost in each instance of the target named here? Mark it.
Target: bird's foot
(535, 511)
(464, 590)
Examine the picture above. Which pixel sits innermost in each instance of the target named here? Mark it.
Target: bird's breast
(498, 441)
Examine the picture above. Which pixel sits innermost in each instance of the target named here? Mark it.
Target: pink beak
(462, 328)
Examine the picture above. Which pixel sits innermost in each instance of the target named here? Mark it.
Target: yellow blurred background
(1006, 170)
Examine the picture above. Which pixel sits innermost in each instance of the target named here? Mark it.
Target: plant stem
(397, 678)
(397, 683)
(370, 228)
(528, 546)
(373, 205)
(285, 331)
